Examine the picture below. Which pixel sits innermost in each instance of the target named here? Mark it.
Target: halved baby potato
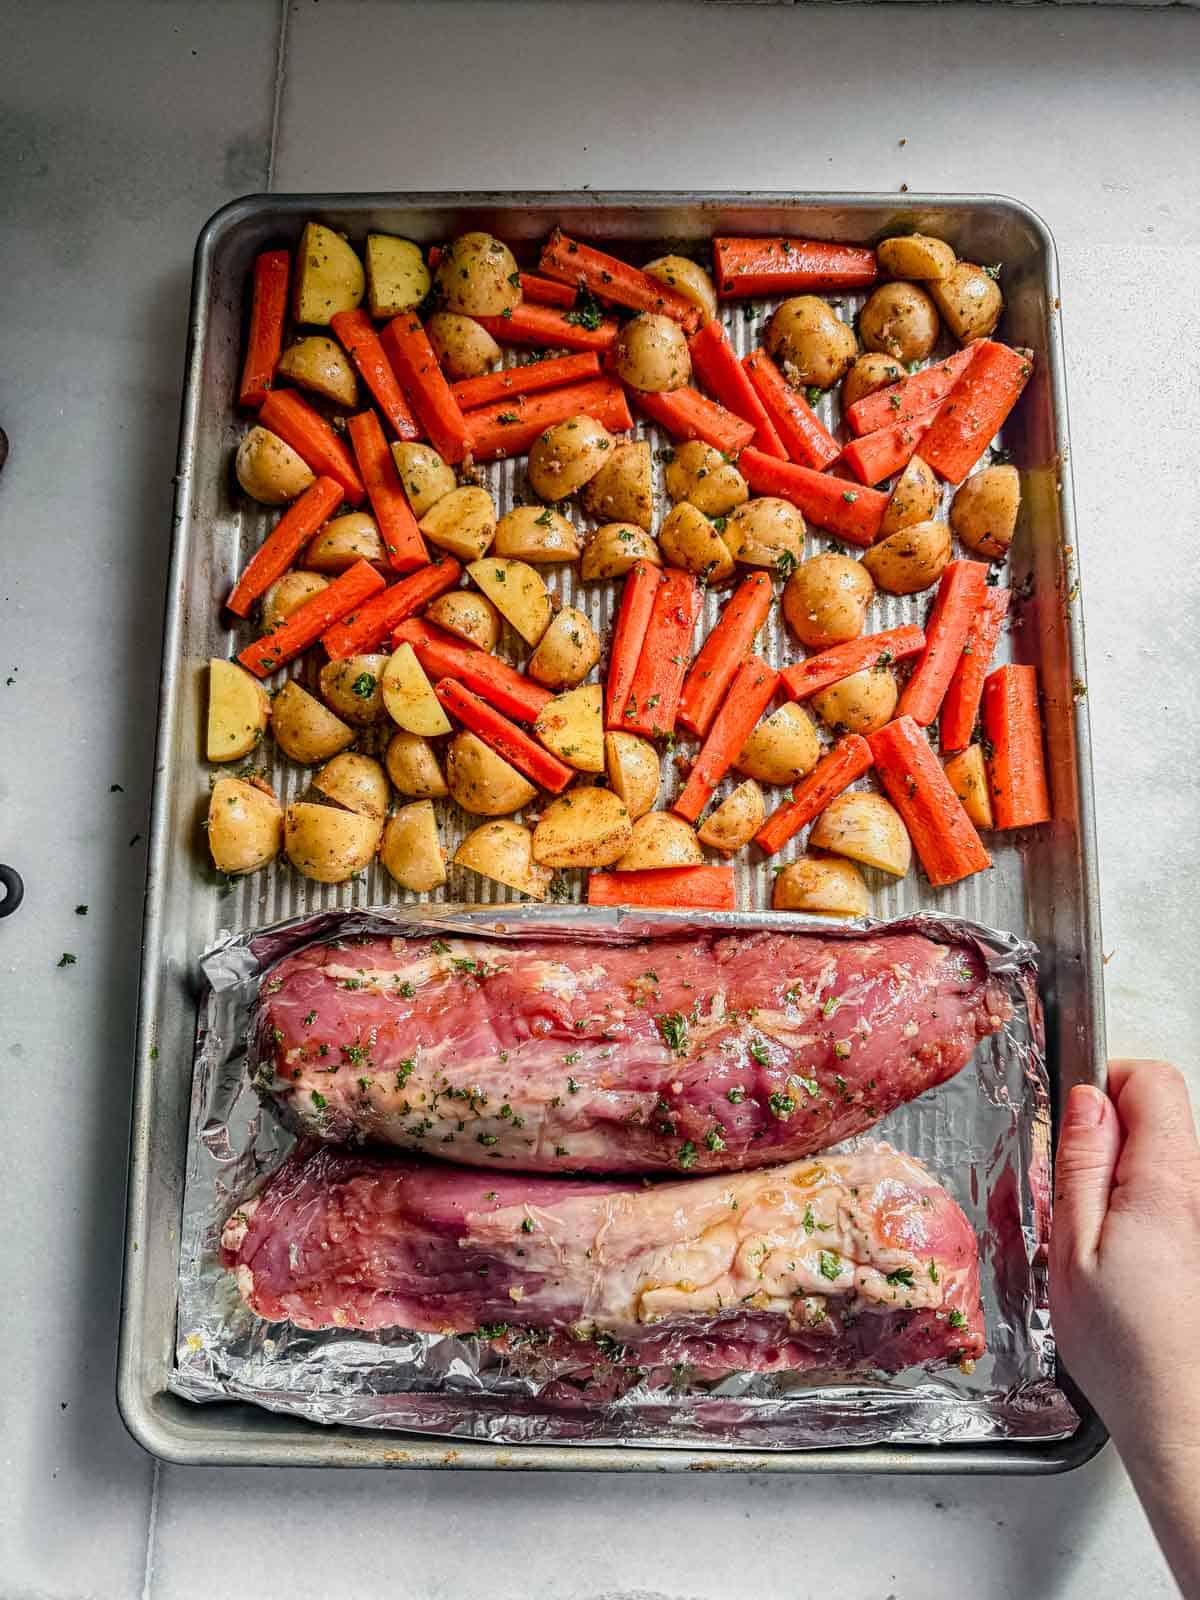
(463, 522)
(517, 592)
(478, 276)
(633, 770)
(984, 511)
(288, 594)
(536, 533)
(687, 278)
(425, 476)
(914, 499)
(355, 781)
(860, 703)
(320, 365)
(327, 844)
(343, 541)
(689, 540)
(468, 615)
(660, 839)
(825, 600)
(305, 729)
(916, 256)
(238, 711)
(397, 277)
(353, 688)
(623, 489)
(782, 748)
(967, 774)
(269, 470)
(245, 824)
(567, 651)
(970, 301)
(464, 348)
(763, 530)
(613, 549)
(481, 781)
(911, 560)
(871, 372)
(329, 276)
(412, 765)
(586, 828)
(651, 353)
(867, 828)
(735, 821)
(572, 726)
(411, 850)
(706, 479)
(503, 851)
(567, 456)
(825, 885)
(408, 695)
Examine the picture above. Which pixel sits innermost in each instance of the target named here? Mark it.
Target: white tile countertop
(122, 127)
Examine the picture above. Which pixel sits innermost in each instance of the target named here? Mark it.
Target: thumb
(1088, 1147)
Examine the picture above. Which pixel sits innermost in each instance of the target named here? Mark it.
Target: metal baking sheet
(1042, 887)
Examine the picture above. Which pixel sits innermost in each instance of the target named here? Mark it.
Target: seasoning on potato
(870, 373)
(810, 342)
(706, 479)
(623, 489)
(900, 320)
(735, 821)
(464, 349)
(911, 560)
(328, 844)
(477, 275)
(651, 354)
(245, 824)
(914, 498)
(305, 729)
(567, 456)
(481, 781)
(765, 531)
(984, 511)
(970, 302)
(860, 703)
(425, 476)
(566, 652)
(536, 533)
(614, 548)
(824, 885)
(503, 851)
(270, 470)
(825, 600)
(320, 365)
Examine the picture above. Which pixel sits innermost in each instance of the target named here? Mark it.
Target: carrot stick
(1012, 725)
(848, 760)
(744, 267)
(805, 437)
(373, 623)
(510, 427)
(284, 543)
(629, 633)
(851, 513)
(357, 332)
(407, 347)
(687, 414)
(313, 440)
(975, 410)
(900, 402)
(397, 526)
(888, 450)
(672, 888)
(961, 705)
(806, 678)
(943, 835)
(962, 591)
(306, 625)
(572, 262)
(504, 737)
(717, 366)
(443, 656)
(545, 292)
(662, 665)
(535, 375)
(551, 327)
(723, 652)
(268, 308)
(746, 701)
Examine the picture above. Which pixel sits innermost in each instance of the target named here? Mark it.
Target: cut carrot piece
(546, 292)
(305, 626)
(629, 634)
(687, 414)
(510, 427)
(313, 440)
(268, 309)
(975, 410)
(534, 375)
(443, 656)
(848, 760)
(809, 677)
(723, 652)
(961, 704)
(285, 542)
(746, 701)
(397, 526)
(1012, 726)
(504, 737)
(961, 593)
(850, 512)
(662, 665)
(718, 367)
(357, 332)
(570, 261)
(407, 347)
(670, 888)
(744, 267)
(902, 401)
(942, 833)
(373, 623)
(888, 450)
(552, 328)
(805, 437)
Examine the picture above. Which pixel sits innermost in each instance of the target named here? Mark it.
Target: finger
(1155, 1112)
(1088, 1147)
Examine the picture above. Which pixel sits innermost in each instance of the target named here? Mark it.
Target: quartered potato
(984, 511)
(911, 560)
(572, 726)
(782, 748)
(357, 782)
(810, 341)
(867, 828)
(329, 276)
(305, 729)
(412, 766)
(353, 688)
(517, 593)
(860, 703)
(343, 541)
(245, 825)
(825, 600)
(478, 276)
(503, 851)
(914, 499)
(481, 781)
(633, 770)
(870, 373)
(464, 349)
(705, 479)
(536, 533)
(320, 365)
(568, 651)
(408, 695)
(899, 319)
(425, 476)
(970, 302)
(623, 489)
(585, 828)
(238, 711)
(651, 354)
(468, 615)
(660, 839)
(735, 821)
(288, 594)
(764, 529)
(327, 844)
(410, 848)
(687, 278)
(916, 256)
(270, 470)
(567, 456)
(614, 548)
(967, 774)
(397, 277)
(825, 885)
(463, 522)
(689, 540)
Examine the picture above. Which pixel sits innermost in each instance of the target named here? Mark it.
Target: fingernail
(1086, 1106)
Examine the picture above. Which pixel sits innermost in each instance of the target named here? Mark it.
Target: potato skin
(782, 748)
(343, 541)
(651, 354)
(899, 319)
(916, 256)
(329, 845)
(567, 456)
(503, 851)
(413, 767)
(825, 885)
(660, 839)
(860, 703)
(288, 594)
(462, 522)
(572, 727)
(269, 470)
(478, 276)
(585, 828)
(614, 548)
(810, 341)
(873, 371)
(425, 476)
(355, 781)
(464, 349)
(915, 498)
(633, 770)
(911, 560)
(735, 821)
(410, 848)
(482, 782)
(688, 278)
(764, 529)
(468, 615)
(329, 276)
(984, 511)
(566, 652)
(865, 827)
(689, 540)
(351, 688)
(970, 302)
(320, 365)
(536, 533)
(305, 729)
(623, 489)
(702, 477)
(245, 825)
(825, 600)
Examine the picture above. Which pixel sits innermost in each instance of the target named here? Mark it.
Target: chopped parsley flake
(760, 1053)
(736, 1095)
(902, 1277)
(831, 1265)
(672, 1026)
(687, 1155)
(956, 1319)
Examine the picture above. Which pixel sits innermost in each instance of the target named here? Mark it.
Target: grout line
(151, 1535)
(277, 97)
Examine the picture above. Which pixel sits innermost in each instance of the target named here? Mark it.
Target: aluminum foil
(985, 1135)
